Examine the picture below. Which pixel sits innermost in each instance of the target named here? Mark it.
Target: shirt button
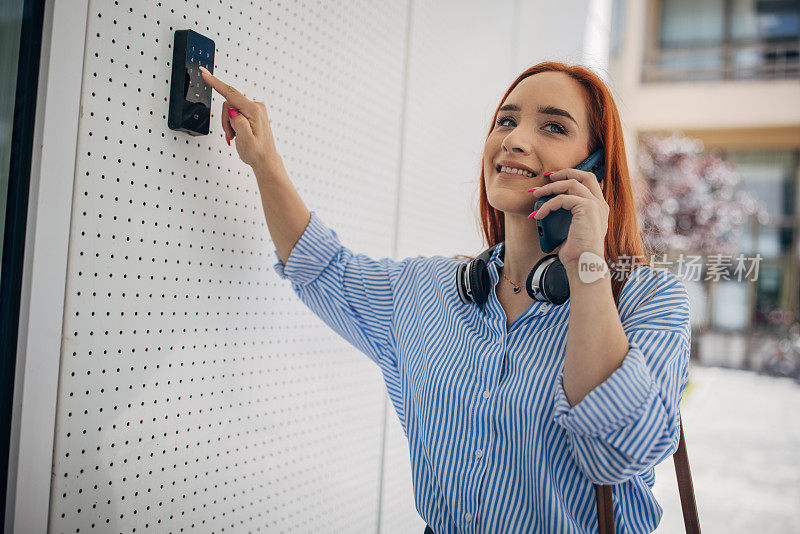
(467, 516)
(479, 453)
(486, 394)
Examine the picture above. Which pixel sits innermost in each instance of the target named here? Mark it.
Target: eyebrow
(546, 110)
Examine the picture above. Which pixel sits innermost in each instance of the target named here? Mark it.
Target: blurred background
(709, 92)
(379, 110)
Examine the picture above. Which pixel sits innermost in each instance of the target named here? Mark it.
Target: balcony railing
(730, 61)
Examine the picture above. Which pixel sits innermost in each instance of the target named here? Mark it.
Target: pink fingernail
(532, 189)
(232, 112)
(532, 214)
(227, 139)
(547, 174)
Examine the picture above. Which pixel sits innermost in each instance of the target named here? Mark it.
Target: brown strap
(684, 475)
(605, 508)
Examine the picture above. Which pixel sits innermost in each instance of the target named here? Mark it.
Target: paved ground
(742, 436)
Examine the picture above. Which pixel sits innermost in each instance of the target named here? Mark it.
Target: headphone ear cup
(479, 281)
(472, 278)
(551, 277)
(461, 284)
(555, 284)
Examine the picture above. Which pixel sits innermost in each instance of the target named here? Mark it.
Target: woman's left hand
(580, 194)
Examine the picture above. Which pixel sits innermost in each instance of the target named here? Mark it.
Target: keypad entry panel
(190, 96)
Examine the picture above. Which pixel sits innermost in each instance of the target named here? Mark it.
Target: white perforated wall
(196, 393)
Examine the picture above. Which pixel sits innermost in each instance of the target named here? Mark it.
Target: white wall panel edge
(388, 409)
(44, 272)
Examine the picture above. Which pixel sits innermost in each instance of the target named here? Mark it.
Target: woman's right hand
(249, 125)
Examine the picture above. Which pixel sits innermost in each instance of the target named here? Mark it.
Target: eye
(557, 125)
(500, 120)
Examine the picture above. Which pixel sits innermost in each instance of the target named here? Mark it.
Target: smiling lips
(515, 174)
(514, 170)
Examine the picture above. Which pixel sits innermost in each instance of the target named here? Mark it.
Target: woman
(516, 409)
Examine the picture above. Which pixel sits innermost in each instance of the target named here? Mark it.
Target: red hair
(623, 237)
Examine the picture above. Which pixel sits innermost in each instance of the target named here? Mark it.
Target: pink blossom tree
(690, 200)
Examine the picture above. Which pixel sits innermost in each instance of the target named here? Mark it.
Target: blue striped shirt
(495, 445)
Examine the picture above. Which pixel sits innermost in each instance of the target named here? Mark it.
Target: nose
(513, 143)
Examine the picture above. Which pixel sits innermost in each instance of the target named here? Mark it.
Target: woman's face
(535, 138)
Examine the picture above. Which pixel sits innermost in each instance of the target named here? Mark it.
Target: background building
(726, 72)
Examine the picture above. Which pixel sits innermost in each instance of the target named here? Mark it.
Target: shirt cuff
(318, 245)
(613, 404)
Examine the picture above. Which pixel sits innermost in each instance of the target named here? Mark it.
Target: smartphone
(554, 227)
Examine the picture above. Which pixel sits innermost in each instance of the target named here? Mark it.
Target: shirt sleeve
(352, 293)
(630, 422)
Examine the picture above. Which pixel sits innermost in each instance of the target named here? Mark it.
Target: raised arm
(247, 123)
(352, 293)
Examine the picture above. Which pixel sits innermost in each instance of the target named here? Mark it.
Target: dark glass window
(771, 177)
(725, 39)
(10, 25)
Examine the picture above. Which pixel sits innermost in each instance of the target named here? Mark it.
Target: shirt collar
(498, 254)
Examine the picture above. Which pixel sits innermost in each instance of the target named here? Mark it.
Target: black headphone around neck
(547, 281)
